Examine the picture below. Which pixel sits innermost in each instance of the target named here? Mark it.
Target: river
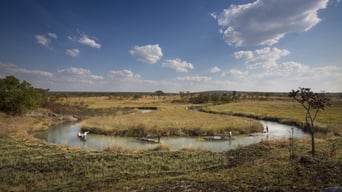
(67, 135)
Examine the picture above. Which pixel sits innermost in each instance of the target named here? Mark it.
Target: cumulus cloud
(299, 71)
(215, 70)
(72, 52)
(334, 2)
(18, 71)
(265, 22)
(52, 35)
(236, 73)
(85, 40)
(150, 54)
(43, 40)
(194, 78)
(286, 76)
(266, 57)
(293, 67)
(123, 74)
(178, 65)
(74, 74)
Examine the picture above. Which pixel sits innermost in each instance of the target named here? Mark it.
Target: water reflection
(67, 135)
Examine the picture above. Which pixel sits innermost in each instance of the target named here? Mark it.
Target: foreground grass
(170, 119)
(28, 165)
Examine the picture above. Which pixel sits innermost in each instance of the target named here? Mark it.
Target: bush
(16, 97)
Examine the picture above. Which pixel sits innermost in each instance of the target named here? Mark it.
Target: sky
(173, 45)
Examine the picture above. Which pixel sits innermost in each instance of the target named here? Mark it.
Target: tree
(16, 96)
(312, 103)
(159, 93)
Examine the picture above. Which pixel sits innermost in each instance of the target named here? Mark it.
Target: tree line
(214, 98)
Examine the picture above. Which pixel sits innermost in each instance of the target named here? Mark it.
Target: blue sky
(173, 45)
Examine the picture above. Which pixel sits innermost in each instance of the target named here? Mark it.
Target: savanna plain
(29, 163)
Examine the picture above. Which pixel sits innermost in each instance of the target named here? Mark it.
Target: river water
(67, 135)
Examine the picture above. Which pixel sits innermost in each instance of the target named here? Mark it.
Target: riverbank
(36, 166)
(29, 164)
(33, 122)
(328, 121)
(66, 135)
(170, 120)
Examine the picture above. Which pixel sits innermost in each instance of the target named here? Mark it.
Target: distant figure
(266, 129)
(158, 137)
(83, 135)
(230, 135)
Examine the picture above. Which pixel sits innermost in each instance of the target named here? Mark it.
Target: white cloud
(301, 71)
(85, 40)
(236, 73)
(293, 67)
(17, 71)
(266, 57)
(123, 74)
(178, 65)
(71, 38)
(194, 78)
(43, 40)
(334, 2)
(72, 52)
(52, 35)
(265, 22)
(74, 74)
(213, 15)
(150, 54)
(215, 70)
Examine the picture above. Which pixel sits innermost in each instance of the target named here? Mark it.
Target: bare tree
(312, 103)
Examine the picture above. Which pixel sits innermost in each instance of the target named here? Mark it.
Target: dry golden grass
(19, 125)
(102, 102)
(171, 119)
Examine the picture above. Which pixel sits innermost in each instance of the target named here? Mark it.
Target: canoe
(146, 139)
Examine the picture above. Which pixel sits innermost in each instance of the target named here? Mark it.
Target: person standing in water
(266, 129)
(158, 137)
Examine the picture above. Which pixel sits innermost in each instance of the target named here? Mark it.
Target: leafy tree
(159, 93)
(137, 96)
(16, 96)
(312, 103)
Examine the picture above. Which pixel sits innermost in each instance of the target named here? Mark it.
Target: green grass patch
(35, 166)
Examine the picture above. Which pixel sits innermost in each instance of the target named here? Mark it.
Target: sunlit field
(35, 166)
(31, 164)
(168, 120)
(102, 102)
(328, 120)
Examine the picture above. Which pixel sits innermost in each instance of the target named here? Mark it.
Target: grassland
(170, 119)
(29, 164)
(285, 110)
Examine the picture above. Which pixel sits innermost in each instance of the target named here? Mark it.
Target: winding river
(67, 135)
